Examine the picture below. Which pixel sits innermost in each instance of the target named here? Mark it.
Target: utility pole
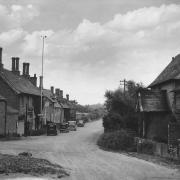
(124, 84)
(42, 73)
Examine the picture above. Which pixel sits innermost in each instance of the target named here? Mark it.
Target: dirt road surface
(78, 152)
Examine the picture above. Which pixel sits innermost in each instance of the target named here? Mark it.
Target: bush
(118, 140)
(113, 122)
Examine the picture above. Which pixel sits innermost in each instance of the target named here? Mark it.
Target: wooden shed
(154, 114)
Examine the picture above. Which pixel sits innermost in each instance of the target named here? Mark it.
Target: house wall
(11, 126)
(157, 126)
(23, 100)
(57, 115)
(7, 92)
(2, 118)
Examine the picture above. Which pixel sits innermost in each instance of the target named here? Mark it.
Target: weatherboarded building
(160, 105)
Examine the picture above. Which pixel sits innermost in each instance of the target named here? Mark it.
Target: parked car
(72, 125)
(80, 123)
(51, 129)
(64, 127)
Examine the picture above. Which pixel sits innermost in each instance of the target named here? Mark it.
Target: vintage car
(64, 127)
(72, 125)
(51, 129)
(80, 123)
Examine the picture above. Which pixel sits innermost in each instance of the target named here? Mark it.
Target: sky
(91, 45)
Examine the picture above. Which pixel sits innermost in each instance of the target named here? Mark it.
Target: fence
(158, 149)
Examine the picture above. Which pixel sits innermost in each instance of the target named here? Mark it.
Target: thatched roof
(171, 72)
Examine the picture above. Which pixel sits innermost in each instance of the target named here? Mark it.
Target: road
(78, 152)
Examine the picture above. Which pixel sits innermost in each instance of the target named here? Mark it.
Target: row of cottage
(20, 101)
(159, 106)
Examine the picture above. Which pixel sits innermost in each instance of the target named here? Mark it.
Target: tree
(120, 108)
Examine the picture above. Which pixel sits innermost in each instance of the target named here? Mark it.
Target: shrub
(113, 122)
(117, 140)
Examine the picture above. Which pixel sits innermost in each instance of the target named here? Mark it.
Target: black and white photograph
(89, 89)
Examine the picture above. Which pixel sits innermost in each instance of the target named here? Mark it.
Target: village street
(78, 152)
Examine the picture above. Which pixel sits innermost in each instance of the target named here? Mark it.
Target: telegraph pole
(124, 84)
(42, 73)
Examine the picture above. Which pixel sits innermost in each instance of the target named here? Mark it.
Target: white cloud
(12, 36)
(135, 45)
(16, 16)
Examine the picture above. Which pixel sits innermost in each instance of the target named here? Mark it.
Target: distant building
(52, 110)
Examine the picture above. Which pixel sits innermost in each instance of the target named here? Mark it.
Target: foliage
(95, 111)
(120, 108)
(117, 140)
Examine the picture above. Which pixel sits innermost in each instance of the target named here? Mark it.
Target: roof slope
(152, 101)
(18, 83)
(172, 71)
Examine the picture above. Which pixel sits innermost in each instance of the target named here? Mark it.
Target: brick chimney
(67, 97)
(52, 90)
(33, 80)
(61, 94)
(57, 92)
(15, 65)
(26, 70)
(1, 64)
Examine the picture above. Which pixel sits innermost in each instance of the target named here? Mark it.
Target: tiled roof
(152, 101)
(47, 93)
(18, 83)
(172, 71)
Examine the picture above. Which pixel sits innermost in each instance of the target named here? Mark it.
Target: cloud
(10, 37)
(94, 55)
(16, 16)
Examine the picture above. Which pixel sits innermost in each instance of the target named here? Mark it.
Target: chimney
(34, 80)
(41, 82)
(57, 92)
(13, 64)
(52, 90)
(26, 70)
(24, 66)
(61, 94)
(1, 64)
(67, 97)
(27, 64)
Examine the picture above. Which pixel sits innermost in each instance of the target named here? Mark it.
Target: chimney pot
(17, 64)
(13, 64)
(67, 97)
(52, 89)
(61, 93)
